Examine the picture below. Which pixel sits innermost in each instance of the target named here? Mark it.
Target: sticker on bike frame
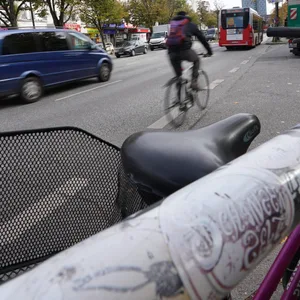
(221, 231)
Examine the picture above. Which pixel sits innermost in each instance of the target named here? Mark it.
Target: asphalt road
(263, 81)
(131, 101)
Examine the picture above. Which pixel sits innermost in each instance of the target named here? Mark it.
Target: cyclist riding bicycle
(179, 44)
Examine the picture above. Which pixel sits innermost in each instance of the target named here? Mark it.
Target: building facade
(259, 5)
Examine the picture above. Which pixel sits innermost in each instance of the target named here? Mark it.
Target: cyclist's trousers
(188, 55)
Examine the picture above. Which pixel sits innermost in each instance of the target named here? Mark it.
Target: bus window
(255, 25)
(234, 20)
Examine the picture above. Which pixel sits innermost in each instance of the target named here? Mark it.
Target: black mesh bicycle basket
(59, 186)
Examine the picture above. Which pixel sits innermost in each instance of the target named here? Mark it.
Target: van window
(19, 43)
(53, 41)
(79, 41)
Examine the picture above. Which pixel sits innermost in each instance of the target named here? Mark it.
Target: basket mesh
(58, 187)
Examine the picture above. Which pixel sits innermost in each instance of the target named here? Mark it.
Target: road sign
(293, 13)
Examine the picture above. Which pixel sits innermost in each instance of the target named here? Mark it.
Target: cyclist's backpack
(176, 36)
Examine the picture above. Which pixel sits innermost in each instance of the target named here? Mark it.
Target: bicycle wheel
(201, 97)
(175, 110)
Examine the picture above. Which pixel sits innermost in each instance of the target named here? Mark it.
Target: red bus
(240, 27)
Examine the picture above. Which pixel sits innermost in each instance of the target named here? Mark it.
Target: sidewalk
(269, 41)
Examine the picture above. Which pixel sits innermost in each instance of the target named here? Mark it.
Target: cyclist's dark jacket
(190, 30)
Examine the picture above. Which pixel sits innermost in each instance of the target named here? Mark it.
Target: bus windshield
(235, 20)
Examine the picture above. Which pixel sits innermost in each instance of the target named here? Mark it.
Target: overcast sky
(231, 3)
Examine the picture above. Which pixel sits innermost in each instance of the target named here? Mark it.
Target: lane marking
(244, 62)
(163, 121)
(214, 84)
(234, 70)
(132, 63)
(85, 91)
(40, 210)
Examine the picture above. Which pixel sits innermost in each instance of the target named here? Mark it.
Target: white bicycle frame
(198, 244)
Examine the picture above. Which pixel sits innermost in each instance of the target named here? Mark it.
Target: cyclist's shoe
(194, 85)
(182, 107)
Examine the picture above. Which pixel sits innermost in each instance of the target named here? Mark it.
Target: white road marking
(164, 121)
(214, 84)
(132, 63)
(234, 70)
(40, 210)
(244, 62)
(85, 91)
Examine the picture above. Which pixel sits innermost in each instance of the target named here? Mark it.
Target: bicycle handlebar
(201, 241)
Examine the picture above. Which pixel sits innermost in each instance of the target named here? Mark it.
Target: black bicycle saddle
(162, 162)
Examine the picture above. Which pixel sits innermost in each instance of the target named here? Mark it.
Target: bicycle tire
(174, 115)
(202, 96)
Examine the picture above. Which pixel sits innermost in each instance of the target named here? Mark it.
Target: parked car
(32, 60)
(131, 48)
(211, 34)
(109, 47)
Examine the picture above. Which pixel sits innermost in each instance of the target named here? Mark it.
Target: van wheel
(104, 72)
(31, 89)
(145, 50)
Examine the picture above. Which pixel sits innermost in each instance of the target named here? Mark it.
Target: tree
(61, 10)
(191, 13)
(172, 7)
(148, 12)
(218, 5)
(211, 20)
(283, 11)
(202, 13)
(101, 12)
(10, 11)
